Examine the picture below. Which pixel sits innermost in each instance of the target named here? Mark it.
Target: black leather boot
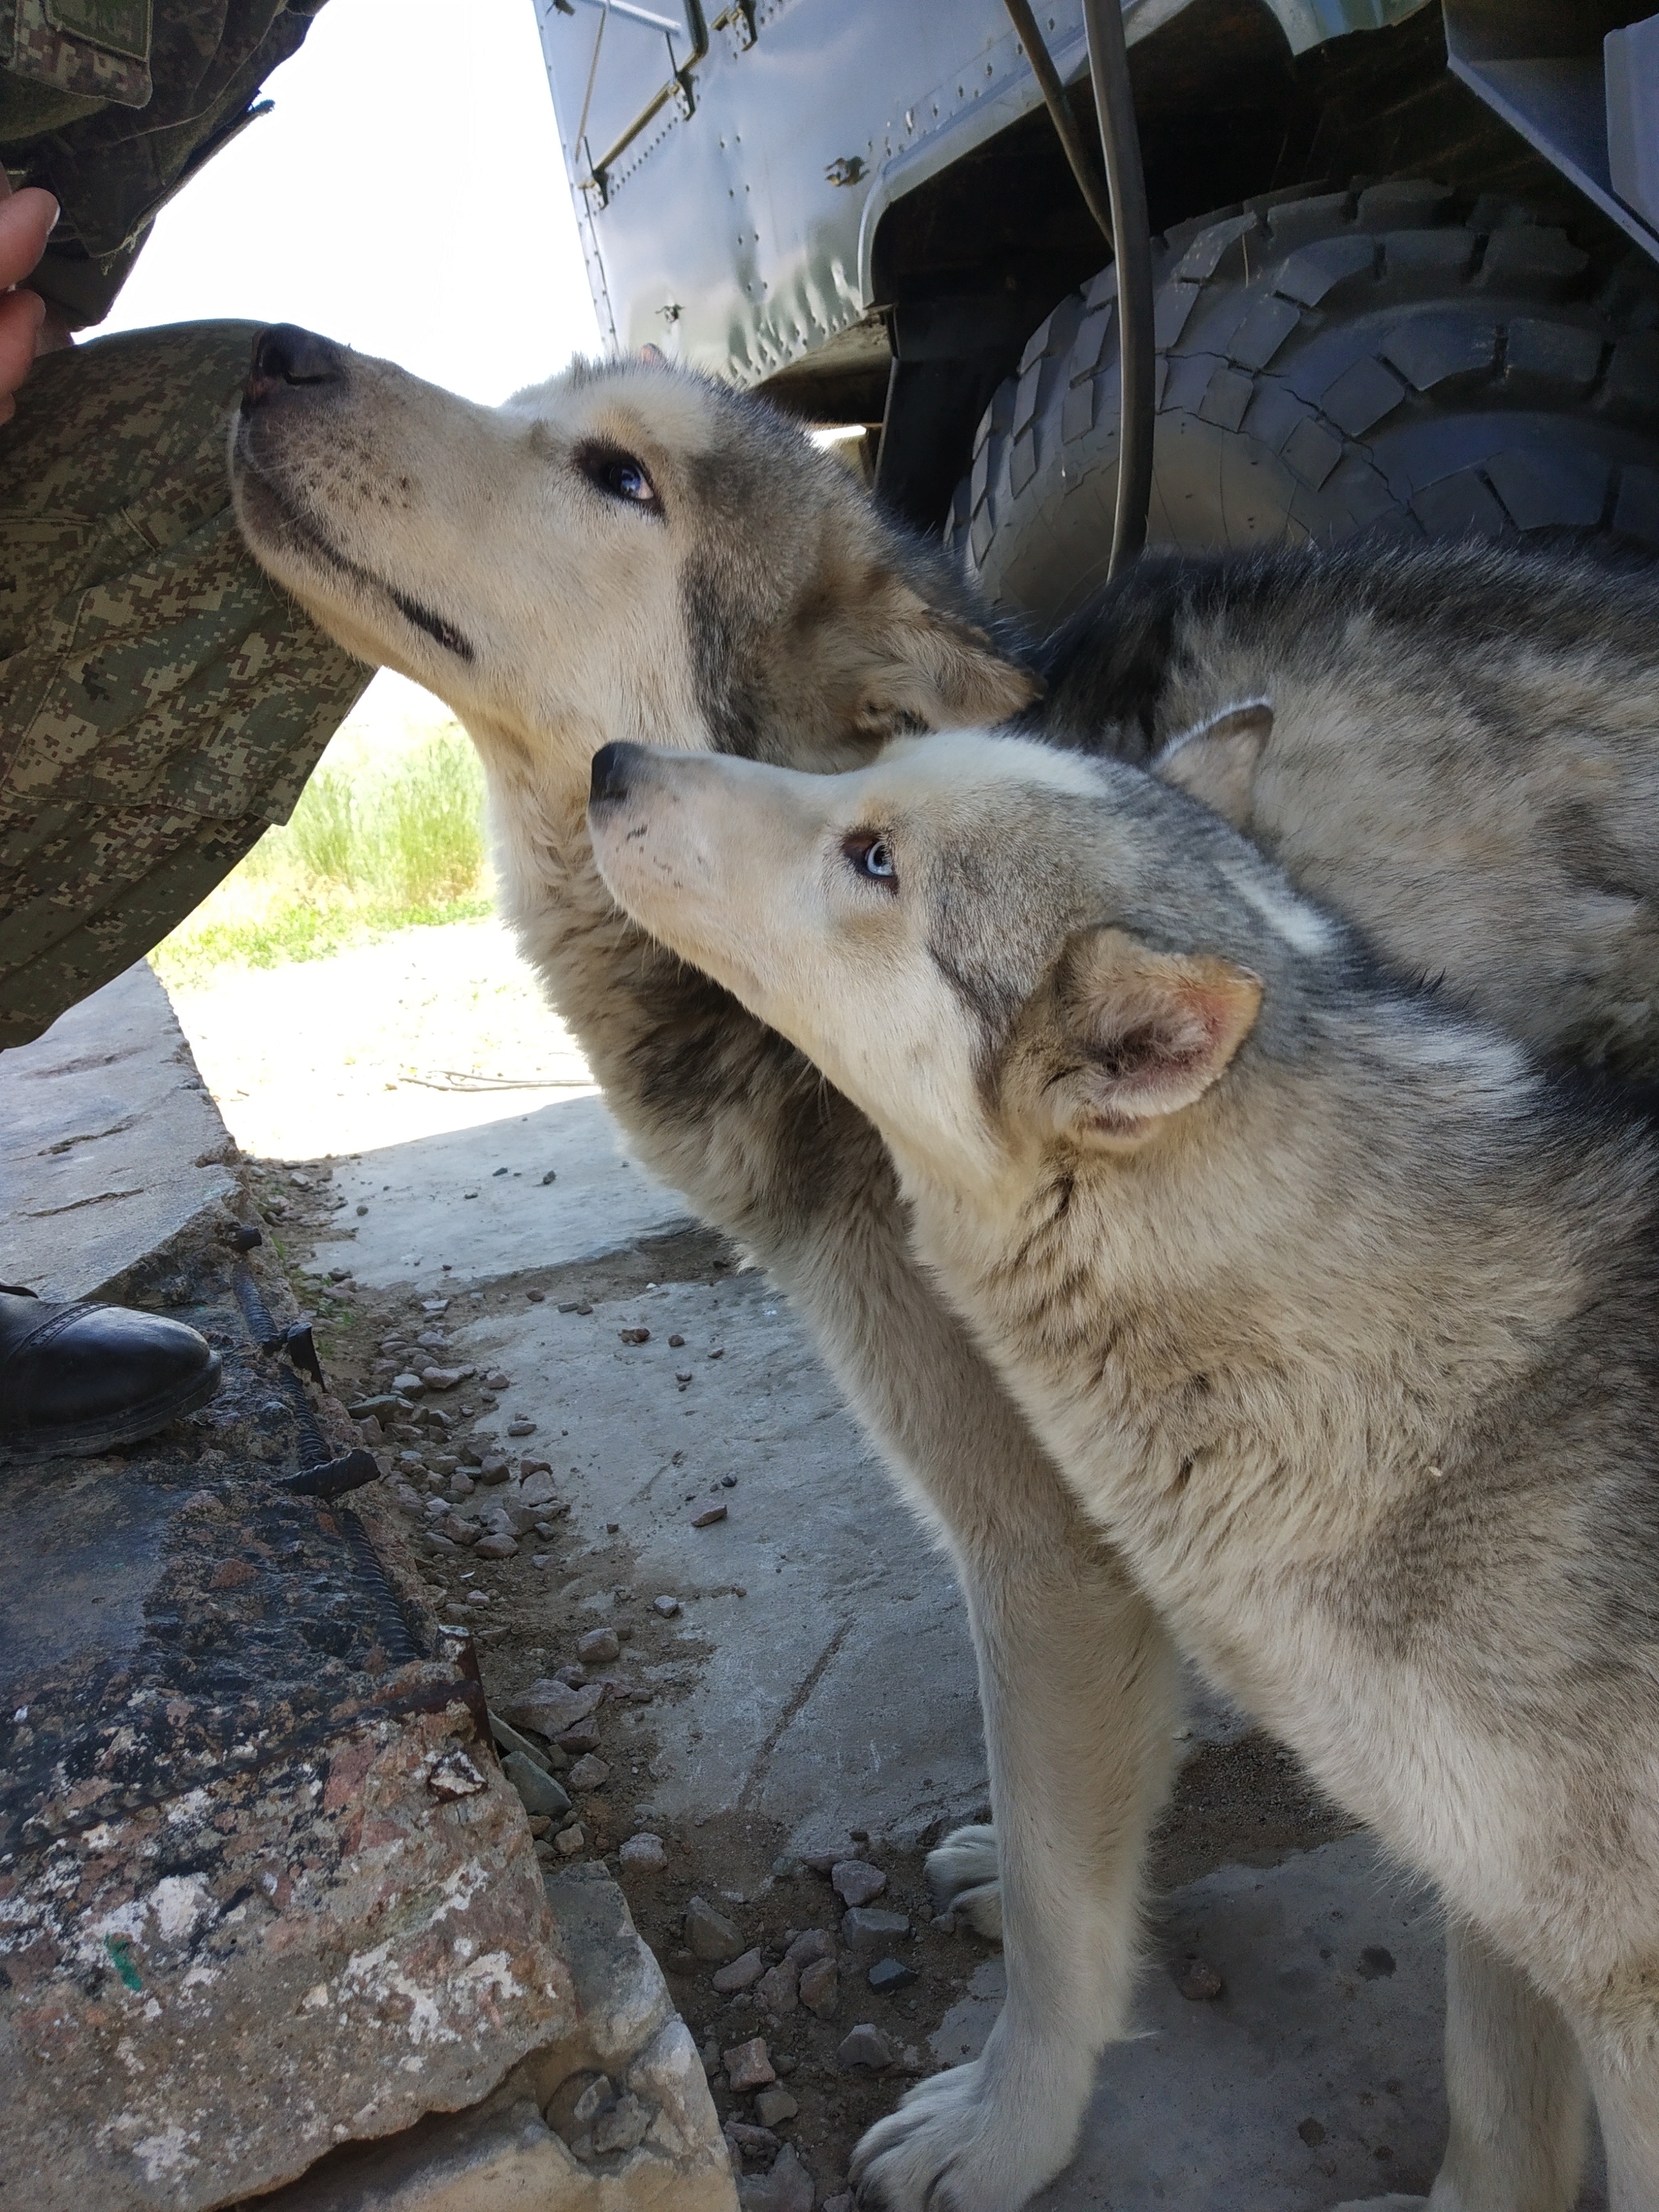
(75, 1379)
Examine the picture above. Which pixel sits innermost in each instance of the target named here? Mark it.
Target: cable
(1125, 186)
(1060, 109)
(1126, 223)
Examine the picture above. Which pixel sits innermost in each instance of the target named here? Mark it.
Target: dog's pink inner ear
(1217, 760)
(1152, 1031)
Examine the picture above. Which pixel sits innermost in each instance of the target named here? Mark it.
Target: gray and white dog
(1337, 1314)
(1459, 749)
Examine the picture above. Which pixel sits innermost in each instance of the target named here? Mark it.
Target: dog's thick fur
(1339, 1316)
(753, 602)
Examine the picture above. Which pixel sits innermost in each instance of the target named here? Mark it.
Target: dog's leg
(1078, 1679)
(1624, 2072)
(1516, 2086)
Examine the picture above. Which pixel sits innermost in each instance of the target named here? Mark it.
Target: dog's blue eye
(872, 857)
(620, 474)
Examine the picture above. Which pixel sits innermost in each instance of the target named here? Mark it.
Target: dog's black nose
(609, 779)
(285, 354)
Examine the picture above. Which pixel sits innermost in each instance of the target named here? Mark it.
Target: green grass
(396, 845)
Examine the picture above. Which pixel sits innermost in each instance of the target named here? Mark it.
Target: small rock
(747, 2066)
(889, 1974)
(776, 1992)
(856, 1882)
(753, 2143)
(1199, 1981)
(820, 1987)
(866, 2046)
(634, 1336)
(477, 1597)
(667, 1606)
(708, 1516)
(457, 1530)
(521, 1425)
(551, 1708)
(588, 1772)
(435, 1305)
(642, 1854)
(788, 2188)
(811, 1945)
(868, 1928)
(623, 2127)
(774, 2107)
(742, 1974)
(461, 1486)
(538, 1792)
(537, 1297)
(496, 1380)
(442, 1378)
(496, 1547)
(599, 1646)
(577, 2102)
(675, 1343)
(408, 1385)
(494, 1468)
(709, 1934)
(570, 1841)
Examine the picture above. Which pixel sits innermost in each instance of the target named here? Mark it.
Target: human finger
(26, 222)
(21, 317)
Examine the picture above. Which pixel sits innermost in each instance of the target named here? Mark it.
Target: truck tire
(1328, 364)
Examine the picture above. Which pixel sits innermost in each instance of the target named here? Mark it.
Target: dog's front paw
(960, 2144)
(964, 1878)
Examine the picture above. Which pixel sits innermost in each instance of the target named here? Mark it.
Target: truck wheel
(1359, 361)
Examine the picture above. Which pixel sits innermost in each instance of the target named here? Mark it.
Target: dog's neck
(1297, 1300)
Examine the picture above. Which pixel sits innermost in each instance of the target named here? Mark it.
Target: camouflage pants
(161, 701)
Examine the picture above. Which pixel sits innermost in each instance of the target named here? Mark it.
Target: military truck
(1405, 281)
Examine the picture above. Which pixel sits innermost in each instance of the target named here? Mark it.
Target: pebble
(810, 1946)
(642, 1854)
(788, 2188)
(521, 1425)
(755, 2143)
(777, 1991)
(866, 2046)
(857, 1883)
(461, 1485)
(634, 1336)
(477, 1597)
(496, 1547)
(538, 1792)
(457, 1530)
(588, 1772)
(600, 1644)
(820, 1987)
(551, 1708)
(494, 1469)
(443, 1379)
(675, 1343)
(667, 1606)
(774, 2107)
(742, 1974)
(747, 2066)
(889, 1974)
(435, 1305)
(623, 2127)
(708, 1516)
(537, 1297)
(496, 1380)
(408, 1385)
(867, 1929)
(570, 1841)
(709, 1934)
(1199, 1981)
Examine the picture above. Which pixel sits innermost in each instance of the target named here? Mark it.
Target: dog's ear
(1217, 760)
(921, 665)
(1144, 1034)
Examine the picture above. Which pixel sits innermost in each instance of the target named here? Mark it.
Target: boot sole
(86, 1439)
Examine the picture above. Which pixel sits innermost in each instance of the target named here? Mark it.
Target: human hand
(26, 222)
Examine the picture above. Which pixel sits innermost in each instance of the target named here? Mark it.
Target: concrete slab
(790, 1712)
(110, 1144)
(468, 1204)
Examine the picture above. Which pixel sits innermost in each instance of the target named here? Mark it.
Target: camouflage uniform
(161, 702)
